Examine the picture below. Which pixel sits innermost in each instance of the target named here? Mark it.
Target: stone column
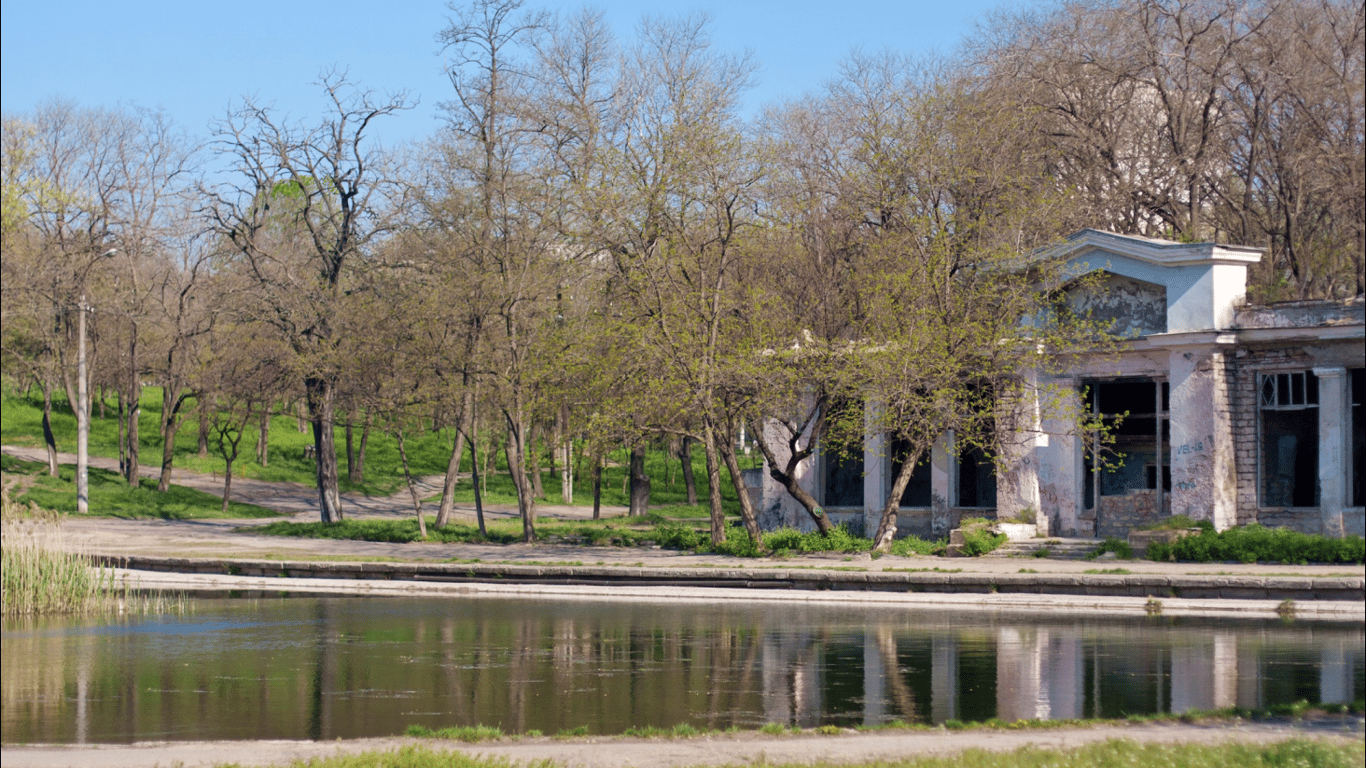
(875, 467)
(1334, 404)
(1060, 466)
(1017, 477)
(1204, 479)
(943, 483)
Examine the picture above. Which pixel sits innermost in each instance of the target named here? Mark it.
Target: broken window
(976, 479)
(1135, 412)
(918, 492)
(1288, 413)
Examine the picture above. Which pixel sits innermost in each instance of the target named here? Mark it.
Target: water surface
(328, 667)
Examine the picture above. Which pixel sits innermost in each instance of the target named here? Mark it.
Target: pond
(295, 667)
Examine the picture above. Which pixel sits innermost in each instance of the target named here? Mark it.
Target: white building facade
(1231, 413)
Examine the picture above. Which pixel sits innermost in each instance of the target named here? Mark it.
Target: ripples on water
(324, 668)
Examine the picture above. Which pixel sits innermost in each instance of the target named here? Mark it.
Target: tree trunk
(171, 403)
(356, 473)
(689, 481)
(474, 480)
(787, 474)
(350, 446)
(322, 395)
(886, 527)
(534, 451)
(49, 439)
(303, 412)
(134, 466)
(737, 479)
(718, 515)
(412, 489)
(227, 484)
(640, 482)
(263, 438)
(203, 414)
(515, 450)
(462, 427)
(597, 487)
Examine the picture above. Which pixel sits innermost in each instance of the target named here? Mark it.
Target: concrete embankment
(1333, 598)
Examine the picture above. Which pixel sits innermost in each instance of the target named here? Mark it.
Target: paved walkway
(233, 538)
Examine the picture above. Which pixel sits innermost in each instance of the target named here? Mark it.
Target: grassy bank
(111, 496)
(1113, 753)
(428, 454)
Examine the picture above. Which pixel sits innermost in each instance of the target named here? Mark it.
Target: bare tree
(309, 202)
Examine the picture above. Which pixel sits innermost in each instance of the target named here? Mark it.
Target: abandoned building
(1236, 414)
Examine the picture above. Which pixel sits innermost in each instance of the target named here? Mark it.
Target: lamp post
(83, 397)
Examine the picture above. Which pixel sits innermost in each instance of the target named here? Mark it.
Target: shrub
(1257, 544)
(1120, 547)
(676, 536)
(980, 541)
(914, 545)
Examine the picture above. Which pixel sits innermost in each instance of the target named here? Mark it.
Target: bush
(1257, 544)
(980, 541)
(676, 536)
(914, 545)
(1120, 547)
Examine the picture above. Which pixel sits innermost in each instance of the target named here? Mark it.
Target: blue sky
(194, 59)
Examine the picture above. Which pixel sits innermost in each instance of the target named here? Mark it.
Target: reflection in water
(324, 668)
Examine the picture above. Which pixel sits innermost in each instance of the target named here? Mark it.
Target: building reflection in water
(329, 668)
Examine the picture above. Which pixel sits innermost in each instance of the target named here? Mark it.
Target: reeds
(42, 574)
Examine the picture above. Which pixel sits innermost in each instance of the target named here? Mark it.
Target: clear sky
(194, 58)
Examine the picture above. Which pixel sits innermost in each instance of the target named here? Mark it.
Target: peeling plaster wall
(1131, 308)
(1302, 314)
(1204, 479)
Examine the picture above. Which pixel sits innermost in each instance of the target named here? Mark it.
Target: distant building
(1236, 414)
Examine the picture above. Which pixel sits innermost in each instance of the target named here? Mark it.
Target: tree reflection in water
(324, 668)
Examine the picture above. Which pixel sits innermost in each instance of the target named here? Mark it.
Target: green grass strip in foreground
(111, 496)
(1115, 753)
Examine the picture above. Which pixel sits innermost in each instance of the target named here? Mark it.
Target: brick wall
(1247, 364)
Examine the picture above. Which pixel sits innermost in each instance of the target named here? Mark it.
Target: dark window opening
(1135, 414)
(1358, 456)
(918, 491)
(844, 465)
(976, 479)
(1289, 441)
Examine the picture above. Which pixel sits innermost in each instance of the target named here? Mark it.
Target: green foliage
(1120, 547)
(1257, 544)
(111, 496)
(676, 536)
(980, 541)
(914, 545)
(838, 540)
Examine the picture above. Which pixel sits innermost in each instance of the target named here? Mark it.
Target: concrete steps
(1055, 548)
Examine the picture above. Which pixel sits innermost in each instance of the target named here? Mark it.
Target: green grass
(1112, 753)
(111, 496)
(914, 545)
(428, 454)
(470, 734)
(1120, 547)
(1257, 544)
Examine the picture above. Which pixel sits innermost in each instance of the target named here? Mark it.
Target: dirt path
(729, 749)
